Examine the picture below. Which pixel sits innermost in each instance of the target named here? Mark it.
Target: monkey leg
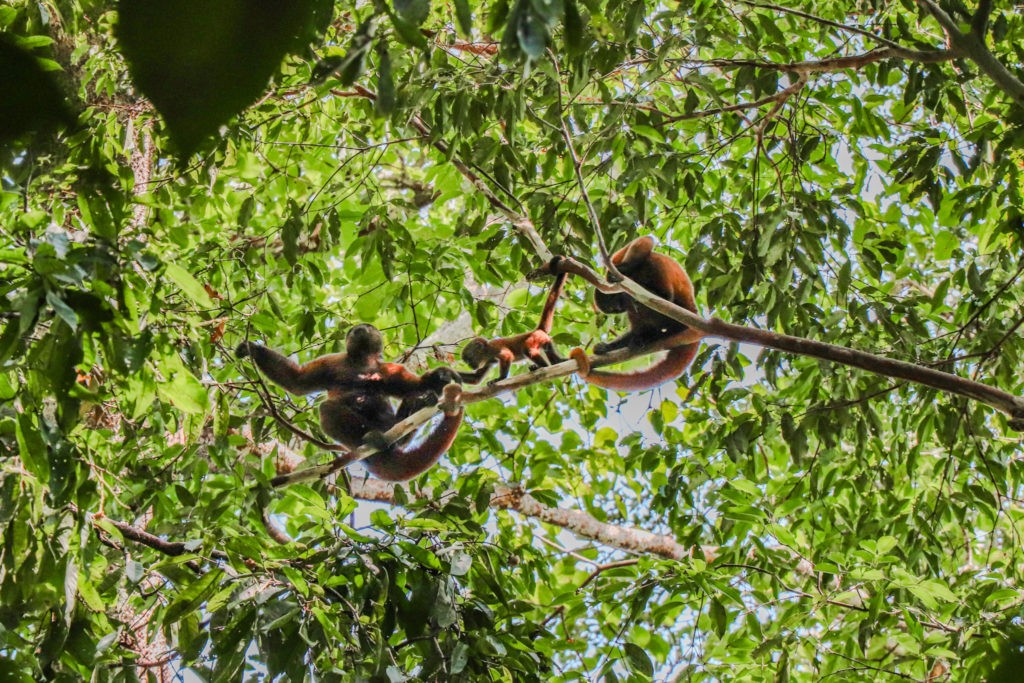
(552, 354)
(628, 339)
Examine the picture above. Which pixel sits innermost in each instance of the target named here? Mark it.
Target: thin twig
(577, 165)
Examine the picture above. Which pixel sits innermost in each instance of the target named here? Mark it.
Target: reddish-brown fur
(402, 463)
(358, 385)
(660, 275)
(481, 353)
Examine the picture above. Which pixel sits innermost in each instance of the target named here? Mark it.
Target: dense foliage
(843, 171)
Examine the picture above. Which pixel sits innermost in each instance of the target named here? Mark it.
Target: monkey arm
(316, 375)
(553, 355)
(476, 376)
(547, 316)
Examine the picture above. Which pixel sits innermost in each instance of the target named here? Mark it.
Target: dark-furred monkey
(358, 385)
(660, 275)
(401, 462)
(481, 353)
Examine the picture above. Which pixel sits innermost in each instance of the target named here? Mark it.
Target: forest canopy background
(179, 176)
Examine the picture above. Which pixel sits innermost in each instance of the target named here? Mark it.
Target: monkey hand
(375, 439)
(451, 400)
(600, 348)
(582, 361)
(549, 268)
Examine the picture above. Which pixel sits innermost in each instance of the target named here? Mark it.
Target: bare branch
(583, 525)
(821, 20)
(577, 165)
(880, 365)
(143, 537)
(979, 22)
(778, 99)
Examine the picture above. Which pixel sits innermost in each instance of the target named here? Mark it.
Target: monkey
(480, 353)
(660, 275)
(346, 415)
(358, 385)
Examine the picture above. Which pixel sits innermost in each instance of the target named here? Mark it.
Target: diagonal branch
(879, 365)
(821, 20)
(972, 46)
(580, 523)
(577, 166)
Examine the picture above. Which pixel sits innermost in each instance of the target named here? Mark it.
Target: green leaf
(638, 659)
(413, 11)
(32, 448)
(463, 17)
(719, 617)
(201, 63)
(385, 102)
(32, 101)
(64, 312)
(189, 286)
(192, 596)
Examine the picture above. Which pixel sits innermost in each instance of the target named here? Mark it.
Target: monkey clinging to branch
(357, 408)
(660, 275)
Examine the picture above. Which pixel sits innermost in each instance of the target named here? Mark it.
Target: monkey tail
(668, 368)
(404, 464)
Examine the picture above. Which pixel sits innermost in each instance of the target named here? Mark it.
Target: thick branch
(972, 46)
(880, 365)
(137, 535)
(580, 523)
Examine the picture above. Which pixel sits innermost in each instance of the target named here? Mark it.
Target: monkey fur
(481, 353)
(357, 386)
(660, 275)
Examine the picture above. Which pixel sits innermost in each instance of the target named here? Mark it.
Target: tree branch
(577, 166)
(821, 20)
(879, 365)
(972, 46)
(583, 525)
(979, 22)
(137, 535)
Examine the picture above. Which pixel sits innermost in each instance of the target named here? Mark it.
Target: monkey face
(364, 340)
(476, 352)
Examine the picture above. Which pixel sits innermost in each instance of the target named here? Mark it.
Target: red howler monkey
(480, 353)
(346, 415)
(358, 385)
(660, 275)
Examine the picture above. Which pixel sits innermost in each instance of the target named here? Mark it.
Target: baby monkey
(481, 353)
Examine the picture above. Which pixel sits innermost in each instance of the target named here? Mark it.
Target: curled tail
(406, 463)
(668, 368)
(401, 464)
